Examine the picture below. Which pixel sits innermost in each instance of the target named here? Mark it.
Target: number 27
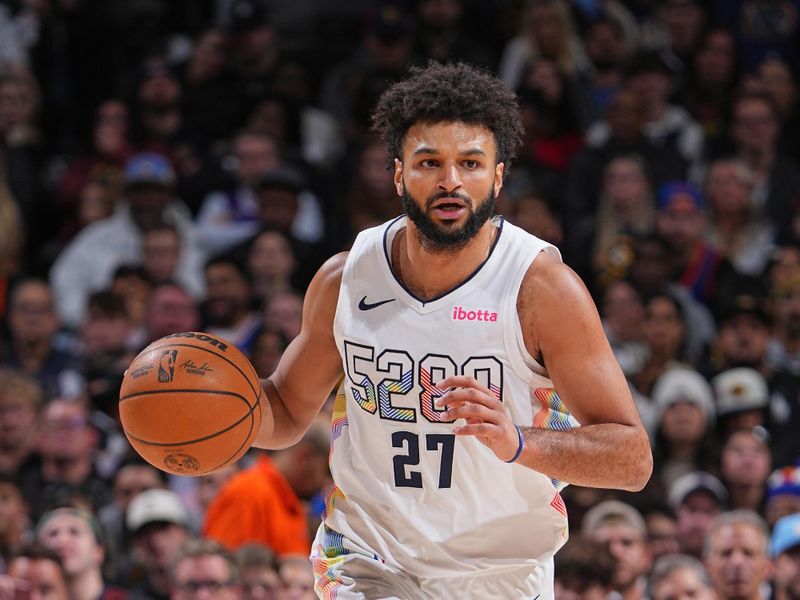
(410, 442)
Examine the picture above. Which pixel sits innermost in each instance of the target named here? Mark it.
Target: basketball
(190, 403)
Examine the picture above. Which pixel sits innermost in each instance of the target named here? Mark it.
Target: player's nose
(450, 179)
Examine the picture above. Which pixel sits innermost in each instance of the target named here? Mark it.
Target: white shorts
(344, 574)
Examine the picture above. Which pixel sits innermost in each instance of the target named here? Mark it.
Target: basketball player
(466, 355)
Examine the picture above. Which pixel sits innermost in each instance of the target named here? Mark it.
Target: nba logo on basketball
(166, 366)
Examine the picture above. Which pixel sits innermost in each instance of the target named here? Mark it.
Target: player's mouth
(448, 208)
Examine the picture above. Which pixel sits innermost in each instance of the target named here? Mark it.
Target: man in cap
(622, 528)
(742, 399)
(159, 525)
(786, 554)
(681, 221)
(783, 493)
(88, 262)
(697, 498)
(744, 327)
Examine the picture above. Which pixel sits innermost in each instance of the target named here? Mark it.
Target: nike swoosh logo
(364, 305)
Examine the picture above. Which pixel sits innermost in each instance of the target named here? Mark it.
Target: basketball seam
(252, 422)
(249, 413)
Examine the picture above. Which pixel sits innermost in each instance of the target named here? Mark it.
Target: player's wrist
(519, 448)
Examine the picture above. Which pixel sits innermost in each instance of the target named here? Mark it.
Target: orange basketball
(190, 403)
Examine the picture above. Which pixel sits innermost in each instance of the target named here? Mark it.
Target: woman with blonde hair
(548, 33)
(601, 248)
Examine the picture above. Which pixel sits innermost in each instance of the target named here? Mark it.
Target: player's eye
(471, 164)
(429, 163)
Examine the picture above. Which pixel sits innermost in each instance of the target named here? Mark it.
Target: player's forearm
(279, 428)
(607, 455)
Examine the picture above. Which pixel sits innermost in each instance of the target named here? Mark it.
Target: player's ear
(398, 176)
(499, 169)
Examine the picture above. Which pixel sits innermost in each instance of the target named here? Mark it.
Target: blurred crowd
(179, 165)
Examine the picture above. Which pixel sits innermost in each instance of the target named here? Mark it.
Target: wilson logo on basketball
(473, 314)
(193, 369)
(166, 366)
(201, 337)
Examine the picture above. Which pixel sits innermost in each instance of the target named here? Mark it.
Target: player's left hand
(486, 417)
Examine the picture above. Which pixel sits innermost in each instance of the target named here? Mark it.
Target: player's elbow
(641, 463)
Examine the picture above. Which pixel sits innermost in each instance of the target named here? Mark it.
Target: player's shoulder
(549, 282)
(328, 280)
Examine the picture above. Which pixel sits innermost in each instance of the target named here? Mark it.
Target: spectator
(777, 79)
(624, 121)
(608, 49)
(229, 217)
(745, 466)
(623, 529)
(297, 579)
(783, 348)
(158, 107)
(664, 333)
(12, 238)
(264, 503)
(88, 263)
(440, 35)
(755, 129)
(681, 221)
(742, 400)
(738, 231)
(258, 573)
(697, 498)
(32, 346)
(133, 286)
(667, 125)
(737, 555)
(161, 253)
(267, 351)
(548, 33)
(712, 77)
(170, 309)
(210, 104)
(651, 274)
(15, 524)
(209, 485)
(284, 313)
(76, 536)
(622, 311)
(133, 477)
(321, 141)
(158, 524)
(583, 570)
(684, 439)
(67, 445)
(271, 264)
(352, 87)
(104, 350)
(783, 494)
(679, 576)
(626, 210)
(204, 566)
(662, 528)
(785, 552)
(37, 573)
(110, 148)
(744, 329)
(371, 198)
(228, 305)
(20, 407)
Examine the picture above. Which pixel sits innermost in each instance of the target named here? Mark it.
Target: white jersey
(408, 492)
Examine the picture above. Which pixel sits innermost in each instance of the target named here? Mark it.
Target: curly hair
(449, 93)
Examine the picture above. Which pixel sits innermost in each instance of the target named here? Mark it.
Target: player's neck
(429, 273)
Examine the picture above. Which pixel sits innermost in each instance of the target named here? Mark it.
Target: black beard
(436, 239)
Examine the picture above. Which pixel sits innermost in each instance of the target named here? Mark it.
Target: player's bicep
(311, 365)
(563, 321)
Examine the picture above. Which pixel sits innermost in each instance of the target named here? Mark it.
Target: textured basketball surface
(189, 403)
